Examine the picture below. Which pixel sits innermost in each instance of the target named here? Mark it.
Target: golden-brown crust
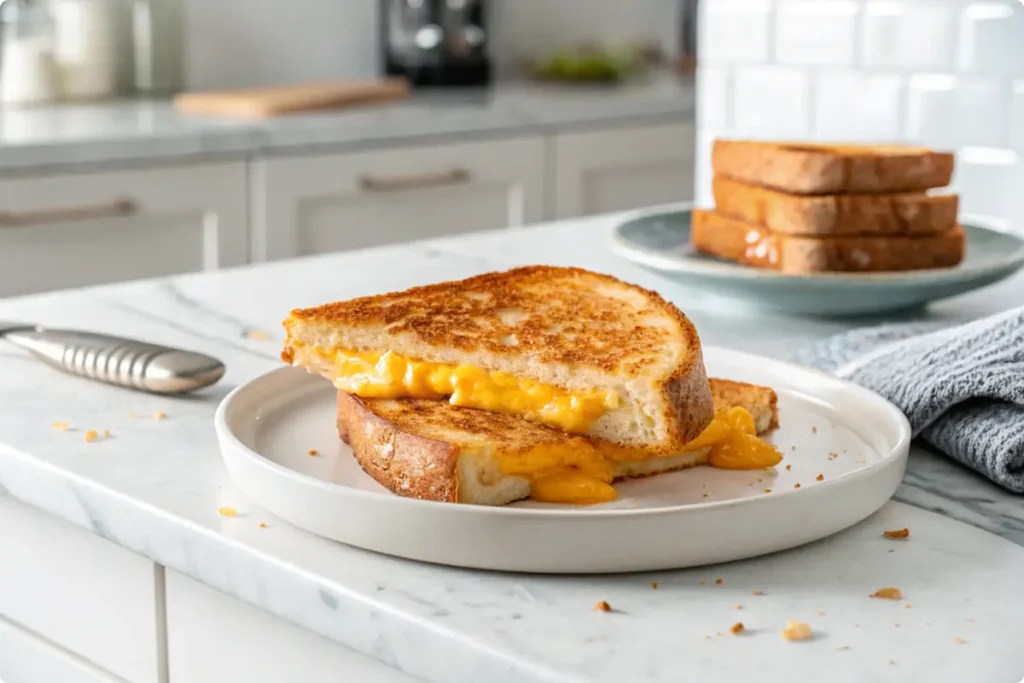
(905, 213)
(404, 463)
(760, 402)
(805, 168)
(553, 314)
(753, 245)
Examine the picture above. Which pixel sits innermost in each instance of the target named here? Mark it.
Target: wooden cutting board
(266, 102)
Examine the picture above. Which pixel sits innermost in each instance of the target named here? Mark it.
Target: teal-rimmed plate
(660, 241)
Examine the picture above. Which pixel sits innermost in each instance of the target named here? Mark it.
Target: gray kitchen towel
(961, 387)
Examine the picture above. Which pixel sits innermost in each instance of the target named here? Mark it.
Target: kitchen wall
(253, 42)
(945, 73)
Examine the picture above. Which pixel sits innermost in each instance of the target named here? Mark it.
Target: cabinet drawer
(83, 593)
(86, 229)
(618, 169)
(309, 205)
(212, 637)
(27, 658)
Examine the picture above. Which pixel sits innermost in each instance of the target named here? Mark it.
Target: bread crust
(717, 235)
(761, 402)
(404, 463)
(806, 168)
(910, 214)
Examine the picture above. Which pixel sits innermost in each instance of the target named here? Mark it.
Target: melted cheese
(734, 443)
(390, 375)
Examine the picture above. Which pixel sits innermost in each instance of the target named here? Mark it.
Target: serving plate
(660, 241)
(845, 446)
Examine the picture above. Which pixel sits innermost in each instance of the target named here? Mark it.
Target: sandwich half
(435, 451)
(582, 353)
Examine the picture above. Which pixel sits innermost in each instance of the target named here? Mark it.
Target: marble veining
(141, 130)
(155, 485)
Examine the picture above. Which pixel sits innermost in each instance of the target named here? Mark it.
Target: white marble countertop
(155, 485)
(139, 130)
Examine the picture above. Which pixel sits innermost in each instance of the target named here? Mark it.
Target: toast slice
(907, 213)
(582, 352)
(435, 451)
(734, 240)
(807, 168)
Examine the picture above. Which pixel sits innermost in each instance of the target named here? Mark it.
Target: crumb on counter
(91, 436)
(62, 426)
(159, 415)
(814, 430)
(257, 335)
(705, 495)
(842, 648)
(796, 630)
(737, 606)
(313, 451)
(105, 432)
(602, 606)
(702, 582)
(789, 467)
(718, 582)
(263, 525)
(654, 585)
(959, 641)
(895, 625)
(892, 662)
(796, 485)
(756, 593)
(890, 550)
(820, 477)
(736, 628)
(792, 448)
(897, 533)
(227, 512)
(833, 456)
(767, 490)
(906, 605)
(888, 594)
(821, 613)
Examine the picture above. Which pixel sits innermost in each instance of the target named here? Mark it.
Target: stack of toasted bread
(806, 208)
(541, 382)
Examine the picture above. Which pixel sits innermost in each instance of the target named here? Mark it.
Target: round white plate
(855, 441)
(659, 240)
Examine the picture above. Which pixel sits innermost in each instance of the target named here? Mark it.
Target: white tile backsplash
(815, 32)
(946, 73)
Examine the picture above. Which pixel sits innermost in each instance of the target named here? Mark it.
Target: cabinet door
(317, 204)
(618, 169)
(84, 229)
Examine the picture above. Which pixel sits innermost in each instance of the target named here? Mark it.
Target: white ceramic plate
(854, 439)
(659, 240)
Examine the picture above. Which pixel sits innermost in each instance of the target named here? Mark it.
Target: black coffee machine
(435, 42)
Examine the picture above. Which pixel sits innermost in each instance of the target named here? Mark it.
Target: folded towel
(961, 387)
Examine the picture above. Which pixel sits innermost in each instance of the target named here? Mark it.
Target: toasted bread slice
(436, 451)
(869, 215)
(807, 168)
(749, 244)
(568, 331)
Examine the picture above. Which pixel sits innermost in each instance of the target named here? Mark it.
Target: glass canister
(27, 68)
(85, 48)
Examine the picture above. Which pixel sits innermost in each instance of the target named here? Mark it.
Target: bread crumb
(257, 335)
(759, 480)
(719, 634)
(736, 628)
(820, 477)
(897, 533)
(767, 490)
(106, 432)
(227, 512)
(756, 593)
(718, 582)
(959, 641)
(888, 594)
(159, 415)
(892, 662)
(833, 456)
(792, 448)
(842, 648)
(906, 605)
(313, 451)
(789, 467)
(91, 436)
(263, 525)
(602, 606)
(62, 426)
(702, 582)
(796, 630)
(654, 585)
(895, 625)
(705, 495)
(707, 637)
(814, 430)
(890, 550)
(796, 485)
(737, 606)
(821, 613)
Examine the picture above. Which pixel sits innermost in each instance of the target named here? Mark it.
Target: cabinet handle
(116, 207)
(455, 176)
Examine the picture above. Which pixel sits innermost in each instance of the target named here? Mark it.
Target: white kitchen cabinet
(78, 593)
(27, 658)
(616, 169)
(71, 230)
(212, 638)
(315, 204)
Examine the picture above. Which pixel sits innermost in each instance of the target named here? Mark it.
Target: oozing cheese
(734, 443)
(390, 375)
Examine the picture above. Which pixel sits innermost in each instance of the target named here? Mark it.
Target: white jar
(85, 48)
(27, 74)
